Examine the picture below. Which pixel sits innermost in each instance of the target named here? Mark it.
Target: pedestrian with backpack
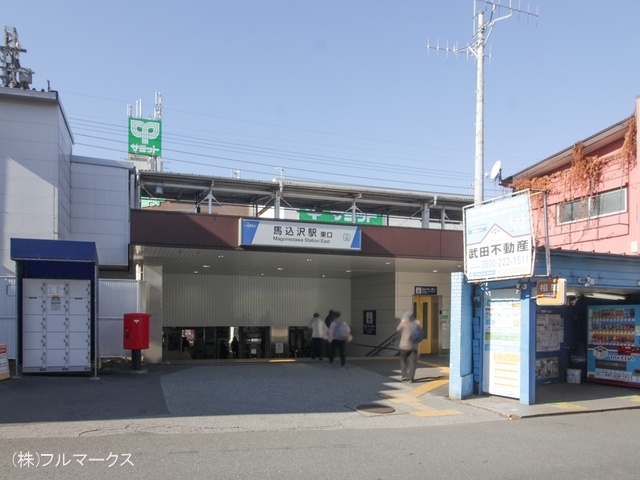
(328, 321)
(411, 335)
(339, 335)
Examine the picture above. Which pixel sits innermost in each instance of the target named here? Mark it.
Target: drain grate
(375, 408)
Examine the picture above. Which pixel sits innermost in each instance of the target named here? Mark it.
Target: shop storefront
(521, 341)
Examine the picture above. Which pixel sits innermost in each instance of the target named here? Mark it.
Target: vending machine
(613, 351)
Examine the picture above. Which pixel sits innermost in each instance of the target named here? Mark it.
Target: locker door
(33, 326)
(56, 325)
(79, 321)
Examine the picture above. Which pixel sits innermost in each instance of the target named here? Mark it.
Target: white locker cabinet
(56, 325)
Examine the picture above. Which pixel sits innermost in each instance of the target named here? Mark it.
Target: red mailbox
(136, 331)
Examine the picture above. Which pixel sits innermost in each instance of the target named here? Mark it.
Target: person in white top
(318, 336)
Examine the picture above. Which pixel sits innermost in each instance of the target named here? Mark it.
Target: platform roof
(301, 195)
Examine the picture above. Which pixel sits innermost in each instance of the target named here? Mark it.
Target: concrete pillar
(461, 356)
(153, 282)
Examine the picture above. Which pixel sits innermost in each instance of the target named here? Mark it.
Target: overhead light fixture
(605, 296)
(159, 190)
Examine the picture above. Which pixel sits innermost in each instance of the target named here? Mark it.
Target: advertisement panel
(145, 137)
(4, 362)
(341, 217)
(501, 346)
(499, 240)
(551, 292)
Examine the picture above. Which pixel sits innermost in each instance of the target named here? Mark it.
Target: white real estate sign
(499, 241)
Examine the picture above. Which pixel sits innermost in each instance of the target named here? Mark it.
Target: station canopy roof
(301, 195)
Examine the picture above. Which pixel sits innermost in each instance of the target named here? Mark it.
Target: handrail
(384, 345)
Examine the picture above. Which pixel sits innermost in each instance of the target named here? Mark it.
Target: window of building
(600, 205)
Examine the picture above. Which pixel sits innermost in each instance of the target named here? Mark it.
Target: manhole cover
(373, 408)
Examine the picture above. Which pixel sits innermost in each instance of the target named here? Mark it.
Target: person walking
(235, 347)
(318, 336)
(339, 335)
(408, 346)
(327, 321)
(330, 318)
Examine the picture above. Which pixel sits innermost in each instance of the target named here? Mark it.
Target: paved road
(291, 420)
(231, 397)
(592, 445)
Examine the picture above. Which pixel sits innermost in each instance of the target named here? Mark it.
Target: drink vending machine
(613, 351)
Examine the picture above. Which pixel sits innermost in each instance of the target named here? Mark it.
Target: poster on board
(4, 362)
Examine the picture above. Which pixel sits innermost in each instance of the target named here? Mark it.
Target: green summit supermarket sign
(145, 137)
(340, 217)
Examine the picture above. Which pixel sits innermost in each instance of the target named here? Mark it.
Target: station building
(209, 258)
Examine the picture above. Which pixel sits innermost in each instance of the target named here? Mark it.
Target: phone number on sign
(505, 261)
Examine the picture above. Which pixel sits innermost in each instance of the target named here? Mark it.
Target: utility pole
(476, 48)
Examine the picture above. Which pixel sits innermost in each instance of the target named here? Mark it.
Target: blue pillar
(460, 356)
(527, 348)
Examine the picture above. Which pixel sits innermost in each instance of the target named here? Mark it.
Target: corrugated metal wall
(100, 209)
(8, 315)
(116, 297)
(210, 300)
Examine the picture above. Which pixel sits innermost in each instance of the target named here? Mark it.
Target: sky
(334, 91)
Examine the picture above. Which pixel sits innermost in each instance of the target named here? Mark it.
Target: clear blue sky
(333, 90)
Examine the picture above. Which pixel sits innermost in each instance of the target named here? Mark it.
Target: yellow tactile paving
(567, 406)
(427, 387)
(409, 399)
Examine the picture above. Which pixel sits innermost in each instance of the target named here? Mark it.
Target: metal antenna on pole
(157, 111)
(482, 31)
(12, 74)
(138, 108)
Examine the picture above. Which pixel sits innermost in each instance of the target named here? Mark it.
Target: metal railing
(387, 344)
